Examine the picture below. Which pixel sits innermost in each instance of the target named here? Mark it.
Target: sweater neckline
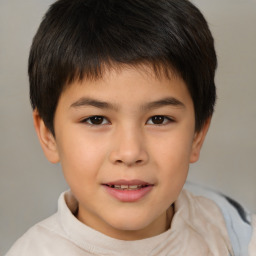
(96, 242)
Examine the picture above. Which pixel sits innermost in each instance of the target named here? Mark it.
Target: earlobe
(46, 138)
(198, 141)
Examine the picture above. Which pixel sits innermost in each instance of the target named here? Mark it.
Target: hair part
(81, 39)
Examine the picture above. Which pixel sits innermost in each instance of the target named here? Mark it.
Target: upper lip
(128, 182)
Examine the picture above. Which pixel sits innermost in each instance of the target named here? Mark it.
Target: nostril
(129, 163)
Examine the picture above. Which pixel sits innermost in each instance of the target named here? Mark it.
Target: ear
(46, 138)
(198, 141)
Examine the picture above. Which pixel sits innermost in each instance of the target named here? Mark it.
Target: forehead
(155, 70)
(130, 84)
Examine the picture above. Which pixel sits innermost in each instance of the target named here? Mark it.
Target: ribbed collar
(179, 239)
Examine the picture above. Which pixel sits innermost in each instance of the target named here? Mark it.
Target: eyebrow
(169, 101)
(83, 102)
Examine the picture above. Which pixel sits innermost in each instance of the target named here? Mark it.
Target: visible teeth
(126, 187)
(134, 186)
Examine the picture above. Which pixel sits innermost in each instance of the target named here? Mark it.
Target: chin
(131, 223)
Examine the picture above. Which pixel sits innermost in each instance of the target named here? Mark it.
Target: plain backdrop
(30, 186)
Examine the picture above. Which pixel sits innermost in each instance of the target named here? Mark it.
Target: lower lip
(128, 195)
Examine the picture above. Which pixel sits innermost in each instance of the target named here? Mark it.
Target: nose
(129, 148)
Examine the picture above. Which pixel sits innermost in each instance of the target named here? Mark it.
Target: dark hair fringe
(80, 39)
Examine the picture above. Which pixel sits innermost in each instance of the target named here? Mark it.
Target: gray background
(29, 185)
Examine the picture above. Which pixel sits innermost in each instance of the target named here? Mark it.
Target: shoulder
(252, 245)
(35, 238)
(238, 220)
(51, 236)
(45, 239)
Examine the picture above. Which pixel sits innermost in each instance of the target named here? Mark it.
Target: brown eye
(158, 120)
(96, 120)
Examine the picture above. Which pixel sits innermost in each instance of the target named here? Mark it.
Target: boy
(123, 93)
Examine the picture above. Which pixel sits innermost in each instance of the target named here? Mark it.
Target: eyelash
(89, 120)
(166, 120)
(101, 120)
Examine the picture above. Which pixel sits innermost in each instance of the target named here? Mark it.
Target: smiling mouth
(128, 190)
(127, 187)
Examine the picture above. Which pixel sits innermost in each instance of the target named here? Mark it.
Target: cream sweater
(198, 228)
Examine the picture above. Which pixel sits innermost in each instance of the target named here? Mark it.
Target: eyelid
(105, 121)
(87, 120)
(167, 120)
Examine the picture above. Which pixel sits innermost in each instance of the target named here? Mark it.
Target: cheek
(174, 149)
(172, 157)
(81, 157)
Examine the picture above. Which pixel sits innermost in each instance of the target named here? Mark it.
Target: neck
(159, 226)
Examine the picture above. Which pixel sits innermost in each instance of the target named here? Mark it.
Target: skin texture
(124, 143)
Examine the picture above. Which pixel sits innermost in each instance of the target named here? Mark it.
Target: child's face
(129, 128)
